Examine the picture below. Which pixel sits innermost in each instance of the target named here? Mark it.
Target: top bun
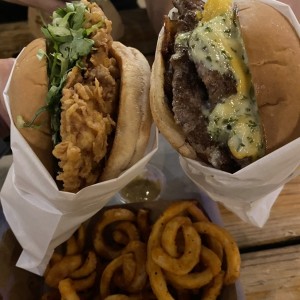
(273, 50)
(27, 93)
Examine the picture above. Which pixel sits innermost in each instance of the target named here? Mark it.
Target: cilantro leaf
(67, 43)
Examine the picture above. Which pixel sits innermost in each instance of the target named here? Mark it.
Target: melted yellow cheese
(214, 8)
(216, 43)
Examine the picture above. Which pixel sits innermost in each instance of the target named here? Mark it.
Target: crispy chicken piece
(88, 112)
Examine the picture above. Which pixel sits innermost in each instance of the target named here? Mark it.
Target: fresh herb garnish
(252, 125)
(250, 139)
(67, 43)
(225, 54)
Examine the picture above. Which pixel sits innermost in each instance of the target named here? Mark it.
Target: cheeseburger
(225, 81)
(80, 99)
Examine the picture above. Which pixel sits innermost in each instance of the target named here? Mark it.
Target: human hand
(5, 69)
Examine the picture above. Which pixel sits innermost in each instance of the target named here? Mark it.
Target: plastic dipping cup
(146, 187)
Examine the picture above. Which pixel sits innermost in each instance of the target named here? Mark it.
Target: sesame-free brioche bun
(273, 50)
(273, 57)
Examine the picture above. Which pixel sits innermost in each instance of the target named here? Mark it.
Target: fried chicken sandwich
(80, 99)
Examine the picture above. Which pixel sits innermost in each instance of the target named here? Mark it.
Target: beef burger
(225, 81)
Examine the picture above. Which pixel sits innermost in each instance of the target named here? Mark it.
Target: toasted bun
(274, 64)
(161, 113)
(134, 117)
(27, 93)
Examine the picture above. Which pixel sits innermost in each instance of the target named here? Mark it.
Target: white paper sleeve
(42, 217)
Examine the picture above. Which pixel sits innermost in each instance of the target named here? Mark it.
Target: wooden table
(270, 255)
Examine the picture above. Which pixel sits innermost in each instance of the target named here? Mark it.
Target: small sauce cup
(146, 187)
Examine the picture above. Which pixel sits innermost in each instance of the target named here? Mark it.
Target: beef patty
(193, 91)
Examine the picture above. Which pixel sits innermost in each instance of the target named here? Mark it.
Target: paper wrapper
(251, 192)
(41, 216)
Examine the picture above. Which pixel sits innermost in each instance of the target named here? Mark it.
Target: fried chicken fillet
(88, 110)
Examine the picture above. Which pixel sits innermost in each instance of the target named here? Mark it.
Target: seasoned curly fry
(156, 276)
(56, 257)
(108, 273)
(125, 232)
(85, 283)
(215, 246)
(211, 260)
(62, 269)
(87, 268)
(199, 216)
(182, 258)
(135, 251)
(170, 232)
(232, 252)
(143, 223)
(124, 278)
(191, 280)
(120, 237)
(197, 213)
(213, 290)
(109, 217)
(139, 280)
(196, 280)
(187, 261)
(67, 290)
(76, 242)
